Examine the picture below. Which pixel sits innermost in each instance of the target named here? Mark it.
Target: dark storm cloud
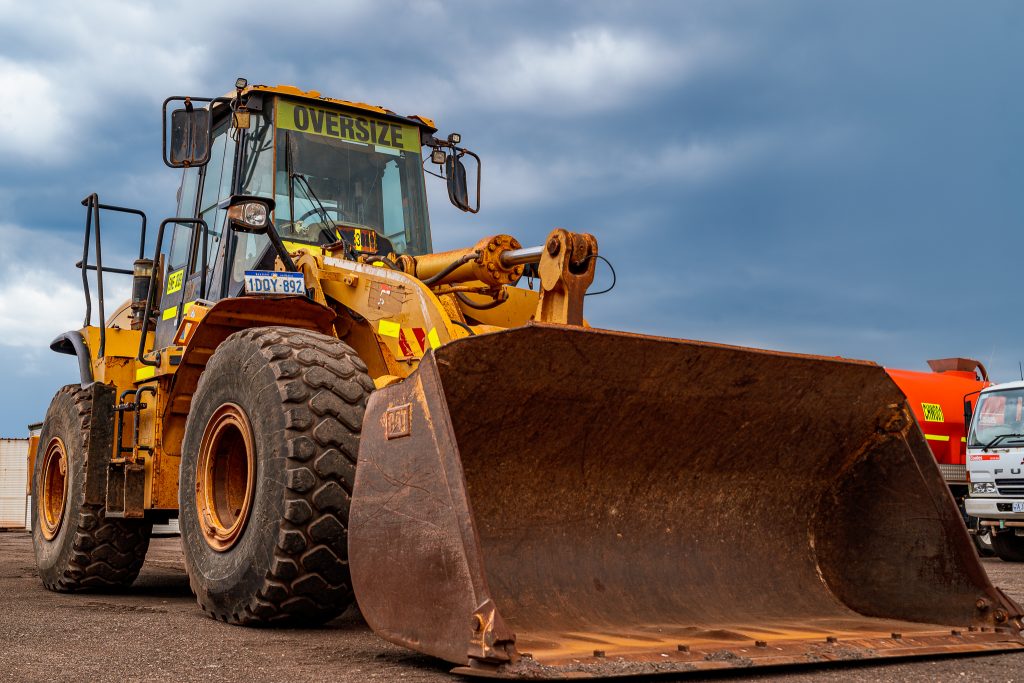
(837, 179)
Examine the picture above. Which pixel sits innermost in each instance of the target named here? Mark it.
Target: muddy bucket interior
(554, 502)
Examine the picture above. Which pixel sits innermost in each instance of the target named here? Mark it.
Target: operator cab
(333, 174)
(998, 422)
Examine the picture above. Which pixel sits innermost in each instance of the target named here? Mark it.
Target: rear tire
(268, 463)
(76, 547)
(1008, 546)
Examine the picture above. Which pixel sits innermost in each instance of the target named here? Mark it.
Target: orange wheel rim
(53, 492)
(225, 477)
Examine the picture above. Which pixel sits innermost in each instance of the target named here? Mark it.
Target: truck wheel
(76, 547)
(983, 542)
(1008, 546)
(268, 462)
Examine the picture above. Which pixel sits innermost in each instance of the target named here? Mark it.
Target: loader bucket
(552, 502)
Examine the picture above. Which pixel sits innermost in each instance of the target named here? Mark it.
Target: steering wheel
(317, 212)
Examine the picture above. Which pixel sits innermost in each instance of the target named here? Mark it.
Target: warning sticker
(174, 281)
(364, 240)
(932, 412)
(305, 118)
(386, 298)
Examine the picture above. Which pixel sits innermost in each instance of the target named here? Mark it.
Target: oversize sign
(306, 118)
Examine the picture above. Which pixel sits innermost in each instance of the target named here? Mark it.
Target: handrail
(93, 207)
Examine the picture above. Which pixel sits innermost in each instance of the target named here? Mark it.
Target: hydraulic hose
(451, 268)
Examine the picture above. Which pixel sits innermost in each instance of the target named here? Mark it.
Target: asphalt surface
(154, 631)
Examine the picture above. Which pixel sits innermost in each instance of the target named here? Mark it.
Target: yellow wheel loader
(336, 413)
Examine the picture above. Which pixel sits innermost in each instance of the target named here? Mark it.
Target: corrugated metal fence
(13, 474)
(15, 505)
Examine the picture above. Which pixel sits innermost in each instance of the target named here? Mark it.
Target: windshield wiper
(337, 236)
(289, 170)
(310, 194)
(999, 438)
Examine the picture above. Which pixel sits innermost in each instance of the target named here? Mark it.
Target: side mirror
(968, 414)
(458, 189)
(190, 137)
(250, 214)
(190, 131)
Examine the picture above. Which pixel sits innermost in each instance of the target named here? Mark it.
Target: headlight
(255, 213)
(249, 214)
(983, 487)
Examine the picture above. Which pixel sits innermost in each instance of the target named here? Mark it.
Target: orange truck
(937, 399)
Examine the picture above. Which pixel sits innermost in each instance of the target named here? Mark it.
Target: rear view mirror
(190, 137)
(458, 189)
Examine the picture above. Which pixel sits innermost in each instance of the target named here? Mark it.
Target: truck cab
(995, 467)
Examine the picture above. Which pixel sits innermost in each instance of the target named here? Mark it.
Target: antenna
(1020, 366)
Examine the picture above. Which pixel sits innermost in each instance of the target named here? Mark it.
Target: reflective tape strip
(187, 307)
(936, 437)
(171, 312)
(292, 247)
(389, 328)
(145, 372)
(435, 341)
(963, 439)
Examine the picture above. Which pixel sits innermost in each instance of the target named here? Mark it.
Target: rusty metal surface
(614, 504)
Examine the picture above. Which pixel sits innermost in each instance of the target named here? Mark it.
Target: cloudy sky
(834, 178)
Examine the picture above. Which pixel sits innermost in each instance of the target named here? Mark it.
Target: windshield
(999, 415)
(334, 169)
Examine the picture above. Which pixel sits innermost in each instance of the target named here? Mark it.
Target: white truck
(995, 466)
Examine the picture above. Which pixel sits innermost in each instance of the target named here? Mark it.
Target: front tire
(268, 462)
(76, 547)
(1008, 546)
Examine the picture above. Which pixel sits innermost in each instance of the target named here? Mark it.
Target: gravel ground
(155, 632)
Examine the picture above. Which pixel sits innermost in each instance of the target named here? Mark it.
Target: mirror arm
(279, 247)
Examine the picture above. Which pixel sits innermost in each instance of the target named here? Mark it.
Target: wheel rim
(225, 477)
(53, 492)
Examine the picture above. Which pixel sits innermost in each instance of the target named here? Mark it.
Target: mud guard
(73, 344)
(560, 502)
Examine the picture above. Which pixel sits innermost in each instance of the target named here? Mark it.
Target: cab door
(202, 190)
